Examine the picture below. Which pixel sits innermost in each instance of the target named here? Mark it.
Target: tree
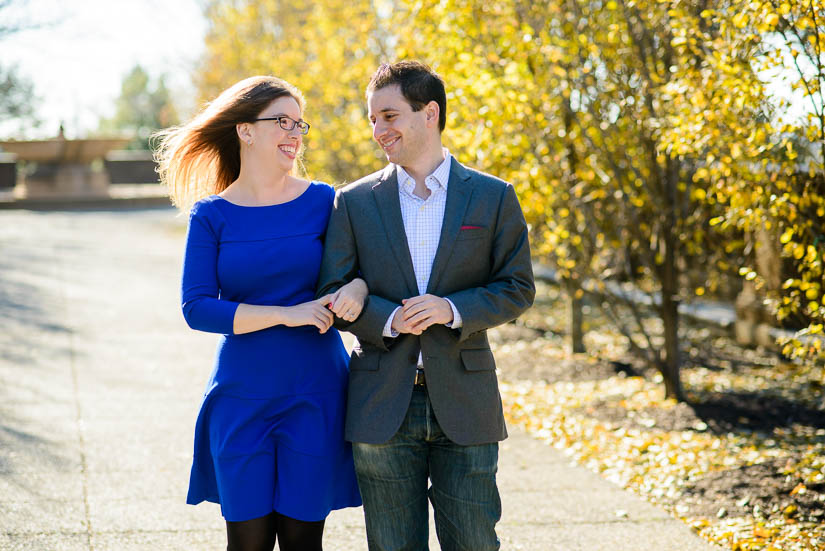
(16, 93)
(762, 158)
(17, 98)
(641, 137)
(328, 49)
(141, 109)
(571, 101)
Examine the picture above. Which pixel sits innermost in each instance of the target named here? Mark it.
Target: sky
(79, 51)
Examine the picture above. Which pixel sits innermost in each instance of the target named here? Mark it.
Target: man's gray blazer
(482, 265)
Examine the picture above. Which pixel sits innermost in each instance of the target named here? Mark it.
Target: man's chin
(394, 158)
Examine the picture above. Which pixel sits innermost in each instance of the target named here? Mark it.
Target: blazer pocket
(478, 359)
(364, 361)
(471, 233)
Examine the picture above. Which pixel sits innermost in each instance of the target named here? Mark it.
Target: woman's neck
(261, 183)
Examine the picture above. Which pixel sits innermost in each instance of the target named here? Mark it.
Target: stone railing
(131, 167)
(124, 167)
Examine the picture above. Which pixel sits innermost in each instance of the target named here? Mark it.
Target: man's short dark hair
(419, 85)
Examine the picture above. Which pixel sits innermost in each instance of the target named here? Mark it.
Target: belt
(419, 378)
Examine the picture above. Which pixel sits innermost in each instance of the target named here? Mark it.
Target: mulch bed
(766, 486)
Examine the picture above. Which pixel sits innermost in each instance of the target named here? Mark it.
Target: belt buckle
(419, 378)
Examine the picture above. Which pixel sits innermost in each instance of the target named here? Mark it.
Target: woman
(269, 441)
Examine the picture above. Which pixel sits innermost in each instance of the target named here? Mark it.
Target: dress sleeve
(202, 307)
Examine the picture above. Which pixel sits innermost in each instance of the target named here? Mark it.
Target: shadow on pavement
(37, 414)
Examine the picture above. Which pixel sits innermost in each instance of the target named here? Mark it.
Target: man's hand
(399, 325)
(419, 313)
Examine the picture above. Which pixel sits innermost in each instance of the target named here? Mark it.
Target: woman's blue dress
(270, 432)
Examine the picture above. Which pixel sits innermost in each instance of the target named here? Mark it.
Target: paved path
(100, 380)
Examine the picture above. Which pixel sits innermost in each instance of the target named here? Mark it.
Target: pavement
(100, 382)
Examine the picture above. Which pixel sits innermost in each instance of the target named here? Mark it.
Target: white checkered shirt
(422, 224)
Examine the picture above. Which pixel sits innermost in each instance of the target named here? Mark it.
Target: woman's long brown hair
(203, 157)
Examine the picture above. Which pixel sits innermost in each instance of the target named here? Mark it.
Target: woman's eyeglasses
(287, 123)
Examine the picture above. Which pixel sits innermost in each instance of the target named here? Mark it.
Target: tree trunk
(571, 285)
(670, 297)
(670, 364)
(573, 292)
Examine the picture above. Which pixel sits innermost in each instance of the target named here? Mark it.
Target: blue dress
(270, 432)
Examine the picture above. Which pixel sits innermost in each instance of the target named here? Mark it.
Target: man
(444, 252)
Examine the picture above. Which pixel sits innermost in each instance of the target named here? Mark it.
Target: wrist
(394, 325)
(278, 315)
(361, 287)
(448, 312)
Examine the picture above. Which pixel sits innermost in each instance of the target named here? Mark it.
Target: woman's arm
(205, 311)
(202, 309)
(251, 317)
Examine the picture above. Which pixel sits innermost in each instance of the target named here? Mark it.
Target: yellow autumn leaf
(740, 20)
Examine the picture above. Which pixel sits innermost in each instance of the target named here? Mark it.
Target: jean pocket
(364, 361)
(478, 359)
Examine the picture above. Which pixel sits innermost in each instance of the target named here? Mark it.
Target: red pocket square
(471, 227)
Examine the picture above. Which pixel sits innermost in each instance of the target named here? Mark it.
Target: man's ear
(432, 110)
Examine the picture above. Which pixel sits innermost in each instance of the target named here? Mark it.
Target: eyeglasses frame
(303, 126)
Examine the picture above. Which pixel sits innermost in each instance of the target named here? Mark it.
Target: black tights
(259, 534)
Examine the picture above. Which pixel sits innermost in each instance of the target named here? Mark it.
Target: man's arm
(511, 289)
(339, 266)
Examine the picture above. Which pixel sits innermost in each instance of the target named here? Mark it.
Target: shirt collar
(441, 175)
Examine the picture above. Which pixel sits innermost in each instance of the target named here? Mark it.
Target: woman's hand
(313, 312)
(348, 301)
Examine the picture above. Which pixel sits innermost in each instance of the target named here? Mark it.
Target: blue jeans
(393, 482)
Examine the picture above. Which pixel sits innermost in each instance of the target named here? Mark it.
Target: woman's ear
(244, 131)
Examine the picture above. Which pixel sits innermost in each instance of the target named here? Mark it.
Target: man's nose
(377, 131)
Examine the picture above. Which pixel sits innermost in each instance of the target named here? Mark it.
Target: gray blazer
(482, 265)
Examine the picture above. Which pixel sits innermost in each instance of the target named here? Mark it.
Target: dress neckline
(311, 183)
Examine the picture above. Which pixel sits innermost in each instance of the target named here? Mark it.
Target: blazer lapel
(389, 207)
(459, 190)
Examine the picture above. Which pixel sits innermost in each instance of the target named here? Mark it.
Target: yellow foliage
(615, 140)
(757, 171)
(327, 49)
